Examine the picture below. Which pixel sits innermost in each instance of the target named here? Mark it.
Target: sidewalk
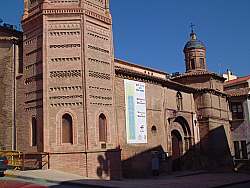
(199, 179)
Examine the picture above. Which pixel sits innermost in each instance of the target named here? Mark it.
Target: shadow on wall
(140, 165)
(109, 165)
(212, 153)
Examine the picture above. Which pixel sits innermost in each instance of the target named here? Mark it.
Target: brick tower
(69, 86)
(211, 103)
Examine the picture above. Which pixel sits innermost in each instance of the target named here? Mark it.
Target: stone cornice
(212, 118)
(63, 11)
(212, 91)
(98, 17)
(38, 10)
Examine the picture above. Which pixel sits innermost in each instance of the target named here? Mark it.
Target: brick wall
(160, 104)
(7, 94)
(99, 164)
(71, 163)
(10, 62)
(69, 69)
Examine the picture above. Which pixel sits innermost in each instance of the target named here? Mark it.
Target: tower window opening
(192, 63)
(154, 130)
(202, 65)
(34, 132)
(179, 101)
(102, 128)
(67, 129)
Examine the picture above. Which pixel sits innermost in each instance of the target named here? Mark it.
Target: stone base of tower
(95, 164)
(216, 145)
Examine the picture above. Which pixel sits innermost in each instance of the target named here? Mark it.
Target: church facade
(102, 117)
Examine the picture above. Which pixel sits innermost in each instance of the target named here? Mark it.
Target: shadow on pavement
(86, 184)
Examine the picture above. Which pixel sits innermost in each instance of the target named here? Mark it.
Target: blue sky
(154, 32)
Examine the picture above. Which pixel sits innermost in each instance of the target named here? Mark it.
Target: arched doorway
(181, 121)
(177, 150)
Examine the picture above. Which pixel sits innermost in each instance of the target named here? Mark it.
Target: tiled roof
(119, 61)
(10, 31)
(164, 82)
(198, 73)
(238, 80)
(238, 92)
(167, 82)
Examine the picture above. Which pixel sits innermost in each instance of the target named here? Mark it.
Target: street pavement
(243, 185)
(8, 182)
(198, 179)
(14, 182)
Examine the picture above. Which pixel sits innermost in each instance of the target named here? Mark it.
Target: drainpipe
(15, 56)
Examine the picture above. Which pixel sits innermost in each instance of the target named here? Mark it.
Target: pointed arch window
(34, 132)
(102, 128)
(179, 101)
(67, 129)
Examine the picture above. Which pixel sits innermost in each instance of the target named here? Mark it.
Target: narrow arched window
(154, 130)
(67, 129)
(102, 128)
(192, 64)
(202, 64)
(179, 101)
(34, 132)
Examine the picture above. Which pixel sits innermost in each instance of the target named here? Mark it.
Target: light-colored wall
(241, 129)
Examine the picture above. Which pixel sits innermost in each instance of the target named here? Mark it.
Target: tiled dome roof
(194, 43)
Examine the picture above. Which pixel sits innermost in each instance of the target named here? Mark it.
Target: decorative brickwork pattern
(65, 74)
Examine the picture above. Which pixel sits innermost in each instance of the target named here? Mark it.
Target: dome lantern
(195, 54)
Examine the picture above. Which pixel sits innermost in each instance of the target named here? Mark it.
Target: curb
(232, 184)
(99, 186)
(58, 182)
(89, 185)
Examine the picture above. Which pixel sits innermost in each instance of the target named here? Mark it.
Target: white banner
(136, 123)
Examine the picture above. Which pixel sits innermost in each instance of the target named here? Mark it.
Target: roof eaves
(165, 82)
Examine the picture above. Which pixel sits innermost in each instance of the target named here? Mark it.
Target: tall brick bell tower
(69, 86)
(212, 107)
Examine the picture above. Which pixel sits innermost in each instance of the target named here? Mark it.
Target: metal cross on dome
(192, 27)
